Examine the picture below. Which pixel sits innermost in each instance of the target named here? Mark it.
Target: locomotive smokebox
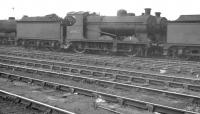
(147, 11)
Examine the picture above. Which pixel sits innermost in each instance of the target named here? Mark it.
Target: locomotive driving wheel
(79, 48)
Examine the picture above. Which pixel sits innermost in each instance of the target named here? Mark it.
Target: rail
(33, 103)
(108, 97)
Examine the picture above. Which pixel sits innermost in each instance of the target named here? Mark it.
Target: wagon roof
(47, 18)
(189, 18)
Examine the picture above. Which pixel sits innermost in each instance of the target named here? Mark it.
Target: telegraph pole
(13, 11)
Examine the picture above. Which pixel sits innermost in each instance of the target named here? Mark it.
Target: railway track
(30, 103)
(106, 83)
(101, 82)
(124, 101)
(122, 76)
(118, 75)
(78, 104)
(171, 68)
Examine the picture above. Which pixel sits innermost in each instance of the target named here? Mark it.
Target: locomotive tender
(40, 31)
(144, 35)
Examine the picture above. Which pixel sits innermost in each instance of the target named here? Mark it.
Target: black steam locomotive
(144, 35)
(124, 33)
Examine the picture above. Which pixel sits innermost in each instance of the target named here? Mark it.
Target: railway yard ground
(79, 104)
(96, 84)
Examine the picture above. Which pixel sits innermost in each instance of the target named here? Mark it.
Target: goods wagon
(183, 36)
(44, 31)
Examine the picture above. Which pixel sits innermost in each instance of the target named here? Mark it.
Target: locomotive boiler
(8, 26)
(142, 27)
(7, 30)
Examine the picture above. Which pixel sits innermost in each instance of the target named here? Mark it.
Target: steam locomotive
(124, 33)
(143, 35)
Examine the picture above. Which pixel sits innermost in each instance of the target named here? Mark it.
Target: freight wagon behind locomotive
(125, 33)
(183, 37)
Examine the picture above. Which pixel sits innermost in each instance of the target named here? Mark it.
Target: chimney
(147, 11)
(157, 14)
(11, 18)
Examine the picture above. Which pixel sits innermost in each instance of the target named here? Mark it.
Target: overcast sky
(169, 8)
